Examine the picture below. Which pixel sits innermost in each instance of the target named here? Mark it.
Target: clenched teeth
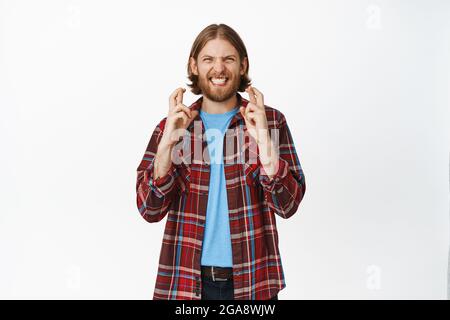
(219, 80)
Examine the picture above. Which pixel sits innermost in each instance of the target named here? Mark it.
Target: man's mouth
(220, 82)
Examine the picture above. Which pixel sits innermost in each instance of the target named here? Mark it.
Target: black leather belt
(217, 273)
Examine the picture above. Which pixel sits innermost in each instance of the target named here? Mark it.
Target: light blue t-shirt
(216, 248)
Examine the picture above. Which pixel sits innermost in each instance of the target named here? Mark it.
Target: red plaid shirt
(253, 201)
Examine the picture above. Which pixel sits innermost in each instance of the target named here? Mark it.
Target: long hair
(212, 32)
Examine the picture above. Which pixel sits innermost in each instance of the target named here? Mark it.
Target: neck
(210, 106)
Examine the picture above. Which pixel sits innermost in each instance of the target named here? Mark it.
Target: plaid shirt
(253, 201)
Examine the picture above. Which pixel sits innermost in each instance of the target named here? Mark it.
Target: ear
(244, 65)
(193, 65)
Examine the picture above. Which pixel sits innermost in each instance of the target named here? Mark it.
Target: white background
(365, 89)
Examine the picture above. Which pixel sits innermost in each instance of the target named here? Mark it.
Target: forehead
(218, 48)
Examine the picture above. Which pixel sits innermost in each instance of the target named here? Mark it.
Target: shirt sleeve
(154, 196)
(284, 192)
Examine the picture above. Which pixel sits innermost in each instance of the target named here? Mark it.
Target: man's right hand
(178, 118)
(177, 121)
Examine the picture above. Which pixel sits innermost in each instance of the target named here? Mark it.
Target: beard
(216, 93)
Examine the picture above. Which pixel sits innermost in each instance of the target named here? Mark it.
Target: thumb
(194, 114)
(242, 111)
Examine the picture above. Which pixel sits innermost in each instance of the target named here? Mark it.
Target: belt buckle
(214, 278)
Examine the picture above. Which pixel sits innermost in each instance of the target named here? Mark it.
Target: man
(220, 239)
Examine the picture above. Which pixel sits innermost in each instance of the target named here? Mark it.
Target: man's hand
(179, 117)
(256, 122)
(177, 121)
(255, 115)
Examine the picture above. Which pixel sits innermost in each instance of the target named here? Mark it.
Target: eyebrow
(208, 56)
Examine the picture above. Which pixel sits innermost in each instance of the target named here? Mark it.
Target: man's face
(219, 70)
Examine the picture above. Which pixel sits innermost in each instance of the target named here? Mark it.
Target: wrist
(165, 144)
(263, 139)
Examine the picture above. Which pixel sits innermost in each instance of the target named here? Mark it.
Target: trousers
(220, 290)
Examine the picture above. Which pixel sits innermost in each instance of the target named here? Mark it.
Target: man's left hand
(255, 115)
(256, 122)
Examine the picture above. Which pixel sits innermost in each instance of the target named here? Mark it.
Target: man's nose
(218, 65)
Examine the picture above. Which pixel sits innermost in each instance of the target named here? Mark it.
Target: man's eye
(207, 59)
